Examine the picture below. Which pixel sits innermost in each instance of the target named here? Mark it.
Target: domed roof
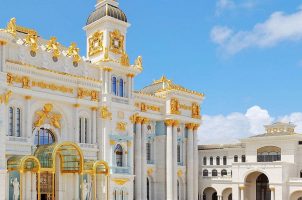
(107, 10)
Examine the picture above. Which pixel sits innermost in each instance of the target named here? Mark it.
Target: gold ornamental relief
(116, 42)
(46, 114)
(4, 98)
(105, 113)
(96, 43)
(121, 126)
(196, 111)
(31, 40)
(174, 106)
(54, 47)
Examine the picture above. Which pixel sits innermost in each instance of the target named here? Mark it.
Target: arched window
(225, 162)
(269, 154)
(121, 87)
(83, 130)
(44, 137)
(217, 160)
(204, 160)
(119, 155)
(224, 172)
(114, 90)
(115, 195)
(14, 122)
(178, 190)
(205, 173)
(301, 174)
(148, 150)
(214, 172)
(243, 159)
(235, 158)
(211, 160)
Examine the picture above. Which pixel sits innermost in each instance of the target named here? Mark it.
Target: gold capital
(169, 122)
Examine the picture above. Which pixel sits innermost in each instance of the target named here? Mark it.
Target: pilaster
(138, 158)
(190, 162)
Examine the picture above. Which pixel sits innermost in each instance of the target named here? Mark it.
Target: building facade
(262, 167)
(72, 127)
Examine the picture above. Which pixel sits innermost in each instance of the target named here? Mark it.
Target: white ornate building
(73, 128)
(262, 167)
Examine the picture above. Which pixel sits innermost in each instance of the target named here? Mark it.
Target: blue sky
(239, 53)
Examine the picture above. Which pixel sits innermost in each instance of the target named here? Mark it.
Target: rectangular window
(224, 160)
(86, 131)
(11, 121)
(148, 148)
(80, 130)
(18, 122)
(178, 154)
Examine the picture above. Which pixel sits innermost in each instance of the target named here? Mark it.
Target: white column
(33, 186)
(196, 162)
(3, 126)
(76, 187)
(144, 162)
(175, 164)
(27, 185)
(106, 86)
(169, 161)
(131, 149)
(272, 193)
(241, 193)
(76, 123)
(109, 81)
(93, 129)
(190, 163)
(138, 159)
(28, 119)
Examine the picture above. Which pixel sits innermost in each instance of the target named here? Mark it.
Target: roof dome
(106, 10)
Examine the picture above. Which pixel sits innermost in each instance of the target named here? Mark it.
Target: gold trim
(47, 114)
(96, 43)
(4, 98)
(120, 181)
(116, 36)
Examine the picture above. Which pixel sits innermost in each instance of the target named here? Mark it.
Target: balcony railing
(88, 146)
(122, 100)
(16, 139)
(120, 170)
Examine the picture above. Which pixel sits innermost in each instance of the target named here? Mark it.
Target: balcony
(120, 170)
(118, 99)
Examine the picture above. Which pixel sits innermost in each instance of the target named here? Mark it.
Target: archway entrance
(297, 195)
(257, 186)
(58, 159)
(262, 188)
(210, 194)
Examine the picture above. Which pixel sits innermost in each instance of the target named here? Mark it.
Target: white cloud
(222, 129)
(222, 5)
(277, 28)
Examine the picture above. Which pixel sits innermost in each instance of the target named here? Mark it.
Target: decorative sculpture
(86, 190)
(12, 27)
(139, 62)
(16, 189)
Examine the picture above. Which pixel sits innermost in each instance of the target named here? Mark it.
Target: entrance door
(262, 188)
(46, 186)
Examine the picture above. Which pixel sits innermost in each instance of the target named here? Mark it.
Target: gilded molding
(53, 71)
(179, 173)
(185, 107)
(116, 42)
(96, 43)
(24, 80)
(190, 126)
(93, 108)
(76, 105)
(52, 86)
(145, 107)
(47, 114)
(82, 93)
(107, 69)
(150, 171)
(2, 43)
(105, 113)
(145, 120)
(120, 181)
(131, 75)
(4, 98)
(169, 122)
(27, 97)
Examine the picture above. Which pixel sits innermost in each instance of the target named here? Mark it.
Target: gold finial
(73, 52)
(53, 46)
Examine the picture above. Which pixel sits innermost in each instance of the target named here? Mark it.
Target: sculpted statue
(86, 190)
(16, 187)
(11, 26)
(139, 62)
